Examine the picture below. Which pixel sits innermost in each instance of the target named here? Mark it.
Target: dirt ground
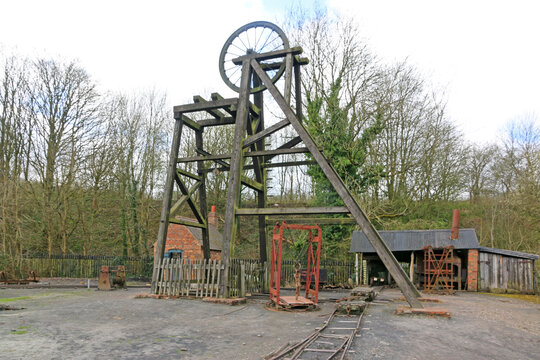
(88, 324)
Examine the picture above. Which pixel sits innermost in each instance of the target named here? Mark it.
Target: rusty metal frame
(313, 261)
(438, 269)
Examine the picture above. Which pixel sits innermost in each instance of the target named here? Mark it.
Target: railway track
(331, 341)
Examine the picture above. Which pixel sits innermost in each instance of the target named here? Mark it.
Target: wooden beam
(166, 204)
(293, 211)
(247, 154)
(407, 287)
(214, 112)
(191, 123)
(230, 110)
(227, 120)
(234, 189)
(189, 108)
(269, 55)
(320, 221)
(255, 185)
(208, 156)
(288, 145)
(266, 132)
(191, 203)
(181, 201)
(188, 174)
(187, 223)
(266, 166)
(202, 198)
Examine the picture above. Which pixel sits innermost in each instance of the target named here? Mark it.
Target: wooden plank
(186, 223)
(167, 198)
(293, 211)
(266, 132)
(409, 290)
(218, 104)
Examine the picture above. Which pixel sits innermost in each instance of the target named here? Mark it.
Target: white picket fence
(181, 277)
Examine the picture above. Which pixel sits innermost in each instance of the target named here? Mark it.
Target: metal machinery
(252, 60)
(439, 269)
(312, 270)
(6, 280)
(112, 277)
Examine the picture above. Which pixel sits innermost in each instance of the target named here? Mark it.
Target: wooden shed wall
(505, 273)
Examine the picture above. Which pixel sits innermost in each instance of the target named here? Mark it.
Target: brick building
(186, 241)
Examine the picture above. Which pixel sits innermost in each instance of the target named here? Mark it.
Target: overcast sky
(484, 55)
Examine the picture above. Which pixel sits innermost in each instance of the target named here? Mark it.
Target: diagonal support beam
(191, 203)
(266, 132)
(184, 198)
(407, 287)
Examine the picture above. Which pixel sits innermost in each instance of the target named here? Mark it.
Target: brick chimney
(455, 225)
(212, 216)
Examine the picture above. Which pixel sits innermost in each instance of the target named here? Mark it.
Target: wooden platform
(291, 301)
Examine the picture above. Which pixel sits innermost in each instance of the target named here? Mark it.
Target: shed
(477, 268)
(505, 270)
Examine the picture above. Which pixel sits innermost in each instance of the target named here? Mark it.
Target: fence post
(242, 280)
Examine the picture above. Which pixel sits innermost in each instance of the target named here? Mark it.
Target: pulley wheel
(256, 37)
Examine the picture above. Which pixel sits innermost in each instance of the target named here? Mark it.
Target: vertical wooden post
(298, 90)
(260, 173)
(202, 196)
(356, 269)
(233, 192)
(411, 267)
(242, 280)
(166, 205)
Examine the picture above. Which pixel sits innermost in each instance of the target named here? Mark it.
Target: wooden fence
(182, 277)
(245, 276)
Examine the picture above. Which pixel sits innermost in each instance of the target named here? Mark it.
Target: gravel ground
(481, 326)
(89, 324)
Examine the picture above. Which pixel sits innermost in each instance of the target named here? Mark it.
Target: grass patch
(6, 300)
(19, 332)
(26, 327)
(530, 298)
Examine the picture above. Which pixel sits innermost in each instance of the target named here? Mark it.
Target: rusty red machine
(112, 277)
(312, 272)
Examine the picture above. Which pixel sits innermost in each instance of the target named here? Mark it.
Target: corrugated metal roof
(517, 254)
(407, 240)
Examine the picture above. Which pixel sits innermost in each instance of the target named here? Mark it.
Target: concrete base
(232, 302)
(427, 311)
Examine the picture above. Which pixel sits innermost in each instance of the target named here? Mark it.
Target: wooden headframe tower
(259, 66)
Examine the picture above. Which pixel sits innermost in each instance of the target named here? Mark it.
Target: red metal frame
(438, 269)
(313, 261)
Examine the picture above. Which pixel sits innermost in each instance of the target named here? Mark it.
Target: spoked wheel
(256, 37)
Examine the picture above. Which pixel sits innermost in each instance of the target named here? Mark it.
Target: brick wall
(179, 237)
(472, 270)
